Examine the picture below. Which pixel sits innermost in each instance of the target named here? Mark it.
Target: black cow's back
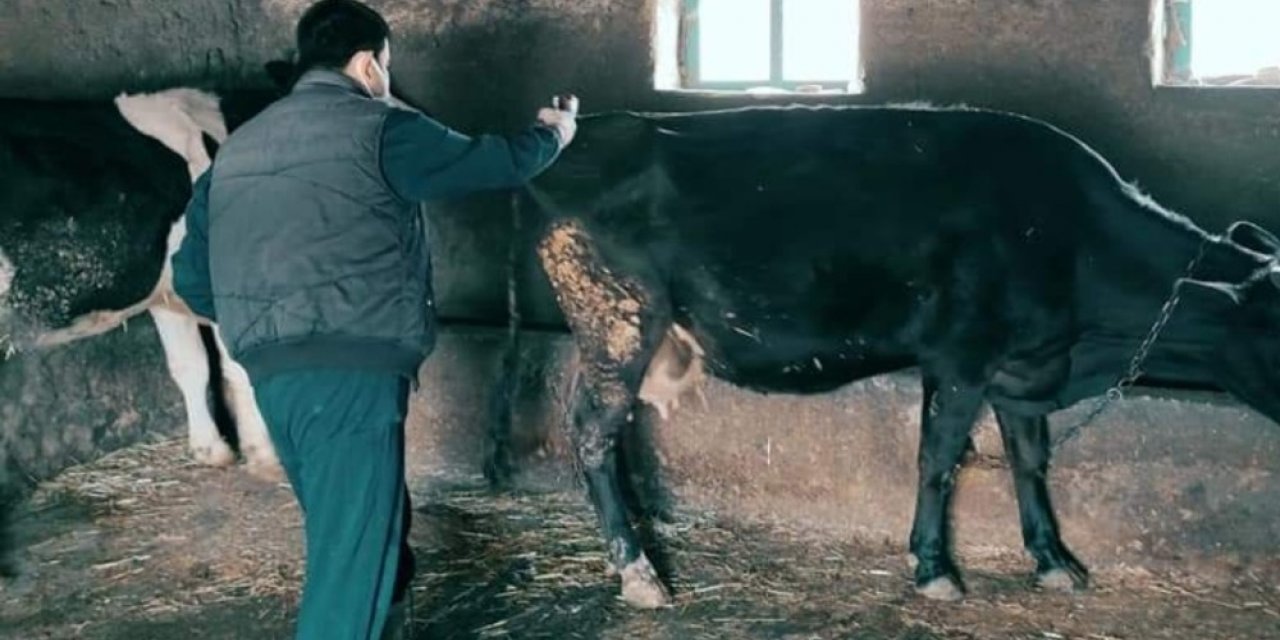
(807, 247)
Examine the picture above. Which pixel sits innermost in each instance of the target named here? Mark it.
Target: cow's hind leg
(947, 416)
(648, 498)
(1026, 444)
(597, 418)
(188, 363)
(617, 322)
(255, 441)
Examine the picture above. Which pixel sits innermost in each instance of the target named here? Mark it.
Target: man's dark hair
(332, 31)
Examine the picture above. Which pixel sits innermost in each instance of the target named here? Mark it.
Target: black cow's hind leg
(597, 419)
(618, 319)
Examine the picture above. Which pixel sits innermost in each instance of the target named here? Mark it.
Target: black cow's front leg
(1026, 444)
(947, 417)
(599, 413)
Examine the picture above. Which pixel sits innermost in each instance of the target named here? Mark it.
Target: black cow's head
(1248, 357)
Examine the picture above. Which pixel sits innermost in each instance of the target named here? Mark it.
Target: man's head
(347, 36)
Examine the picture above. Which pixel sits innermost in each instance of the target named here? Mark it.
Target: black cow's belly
(798, 368)
(770, 330)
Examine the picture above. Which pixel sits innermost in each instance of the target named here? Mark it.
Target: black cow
(91, 194)
(798, 249)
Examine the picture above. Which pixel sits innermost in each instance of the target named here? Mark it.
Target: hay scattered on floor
(150, 515)
(146, 538)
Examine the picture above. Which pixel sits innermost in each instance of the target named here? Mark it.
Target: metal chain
(1116, 392)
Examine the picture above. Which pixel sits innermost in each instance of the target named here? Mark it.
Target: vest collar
(329, 78)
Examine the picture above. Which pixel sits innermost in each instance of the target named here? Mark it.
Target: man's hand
(562, 116)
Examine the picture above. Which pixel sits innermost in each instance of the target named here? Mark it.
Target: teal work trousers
(340, 439)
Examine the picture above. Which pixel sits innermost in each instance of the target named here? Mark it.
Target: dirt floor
(143, 544)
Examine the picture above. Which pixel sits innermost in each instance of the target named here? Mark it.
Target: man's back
(314, 259)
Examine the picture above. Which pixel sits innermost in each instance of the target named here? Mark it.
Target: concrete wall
(70, 404)
(488, 64)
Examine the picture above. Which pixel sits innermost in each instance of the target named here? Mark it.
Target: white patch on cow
(677, 367)
(177, 118)
(7, 273)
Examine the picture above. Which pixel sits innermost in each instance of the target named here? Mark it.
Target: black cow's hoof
(1063, 579)
(641, 586)
(1059, 570)
(943, 589)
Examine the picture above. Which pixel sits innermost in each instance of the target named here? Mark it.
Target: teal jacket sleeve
(425, 160)
(191, 279)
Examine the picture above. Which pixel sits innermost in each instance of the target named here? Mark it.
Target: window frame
(689, 56)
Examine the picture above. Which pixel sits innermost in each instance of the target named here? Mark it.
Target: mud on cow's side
(90, 211)
(795, 250)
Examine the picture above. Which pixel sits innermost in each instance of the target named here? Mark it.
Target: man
(305, 243)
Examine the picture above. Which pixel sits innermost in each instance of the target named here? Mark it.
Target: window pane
(1234, 36)
(733, 40)
(819, 39)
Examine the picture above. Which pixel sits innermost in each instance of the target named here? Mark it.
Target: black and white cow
(90, 212)
(795, 250)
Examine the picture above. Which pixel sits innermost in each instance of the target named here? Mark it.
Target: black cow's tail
(499, 466)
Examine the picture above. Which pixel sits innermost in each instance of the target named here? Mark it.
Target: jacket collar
(329, 78)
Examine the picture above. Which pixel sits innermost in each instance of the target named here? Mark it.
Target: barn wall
(488, 64)
(70, 404)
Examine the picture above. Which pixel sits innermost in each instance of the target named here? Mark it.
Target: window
(798, 45)
(1219, 42)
